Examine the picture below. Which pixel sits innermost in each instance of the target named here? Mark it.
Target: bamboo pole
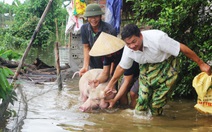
(59, 80)
(57, 36)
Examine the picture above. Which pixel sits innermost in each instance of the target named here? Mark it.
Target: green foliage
(10, 54)
(35, 8)
(26, 18)
(6, 92)
(9, 41)
(5, 15)
(26, 30)
(5, 87)
(187, 21)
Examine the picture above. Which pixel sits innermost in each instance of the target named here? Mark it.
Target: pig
(84, 85)
(93, 97)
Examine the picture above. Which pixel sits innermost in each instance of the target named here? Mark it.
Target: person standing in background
(90, 32)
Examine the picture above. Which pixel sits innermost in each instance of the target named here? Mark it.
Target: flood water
(44, 108)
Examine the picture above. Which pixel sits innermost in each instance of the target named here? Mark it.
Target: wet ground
(44, 108)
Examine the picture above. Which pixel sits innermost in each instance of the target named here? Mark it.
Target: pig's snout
(87, 109)
(83, 109)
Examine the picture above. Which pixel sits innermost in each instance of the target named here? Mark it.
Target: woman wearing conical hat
(110, 48)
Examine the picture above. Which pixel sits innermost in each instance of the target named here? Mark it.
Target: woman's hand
(82, 71)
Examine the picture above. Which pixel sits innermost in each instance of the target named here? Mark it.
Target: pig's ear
(113, 91)
(108, 93)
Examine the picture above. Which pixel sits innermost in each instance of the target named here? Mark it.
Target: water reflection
(47, 55)
(51, 110)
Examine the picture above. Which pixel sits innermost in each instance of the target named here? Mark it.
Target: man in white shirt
(156, 53)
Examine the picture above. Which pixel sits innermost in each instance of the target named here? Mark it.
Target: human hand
(111, 102)
(109, 90)
(204, 67)
(82, 71)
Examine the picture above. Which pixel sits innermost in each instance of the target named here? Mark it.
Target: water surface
(46, 109)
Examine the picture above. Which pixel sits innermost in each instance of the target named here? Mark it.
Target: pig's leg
(84, 90)
(88, 89)
(88, 105)
(103, 104)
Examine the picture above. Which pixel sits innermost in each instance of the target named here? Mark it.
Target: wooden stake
(59, 80)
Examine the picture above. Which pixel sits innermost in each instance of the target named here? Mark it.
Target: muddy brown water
(43, 108)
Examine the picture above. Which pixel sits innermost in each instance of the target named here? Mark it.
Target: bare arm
(204, 67)
(103, 77)
(86, 60)
(124, 87)
(122, 90)
(117, 74)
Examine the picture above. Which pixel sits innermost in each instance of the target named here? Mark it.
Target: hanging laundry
(79, 7)
(113, 13)
(75, 9)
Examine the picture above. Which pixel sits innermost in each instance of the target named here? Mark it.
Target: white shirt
(157, 47)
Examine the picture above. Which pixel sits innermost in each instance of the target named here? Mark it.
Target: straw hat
(106, 44)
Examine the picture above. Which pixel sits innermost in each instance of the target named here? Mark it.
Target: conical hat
(106, 44)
